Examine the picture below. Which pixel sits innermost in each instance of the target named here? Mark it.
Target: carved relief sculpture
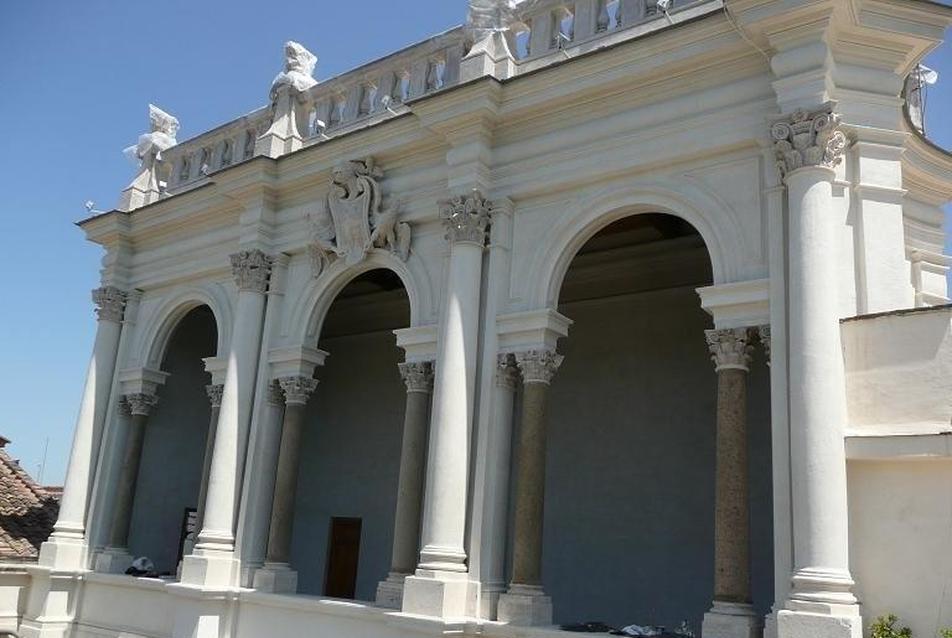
(353, 221)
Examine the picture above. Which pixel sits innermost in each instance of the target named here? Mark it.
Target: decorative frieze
(297, 390)
(215, 392)
(251, 269)
(538, 366)
(807, 138)
(507, 371)
(354, 220)
(141, 403)
(110, 303)
(730, 348)
(466, 218)
(417, 375)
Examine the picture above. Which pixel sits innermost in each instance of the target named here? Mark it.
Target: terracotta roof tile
(27, 512)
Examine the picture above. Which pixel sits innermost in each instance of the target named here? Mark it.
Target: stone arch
(308, 316)
(172, 310)
(598, 211)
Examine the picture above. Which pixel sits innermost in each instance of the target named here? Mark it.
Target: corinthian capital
(507, 372)
(418, 375)
(297, 390)
(466, 218)
(806, 138)
(110, 303)
(141, 403)
(730, 348)
(251, 269)
(538, 366)
(764, 333)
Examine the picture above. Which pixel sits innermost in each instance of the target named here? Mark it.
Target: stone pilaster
(67, 546)
(809, 146)
(441, 585)
(732, 615)
(525, 603)
(277, 575)
(418, 377)
(213, 563)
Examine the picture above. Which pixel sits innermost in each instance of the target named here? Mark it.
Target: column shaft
(99, 375)
(406, 524)
(444, 523)
(731, 511)
(128, 477)
(207, 459)
(530, 488)
(285, 485)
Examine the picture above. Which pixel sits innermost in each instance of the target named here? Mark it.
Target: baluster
(452, 60)
(322, 115)
(419, 71)
(540, 38)
(630, 12)
(248, 150)
(433, 75)
(367, 98)
(352, 103)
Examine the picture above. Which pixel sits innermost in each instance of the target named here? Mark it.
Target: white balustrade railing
(374, 91)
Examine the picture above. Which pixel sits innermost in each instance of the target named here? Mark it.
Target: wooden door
(343, 553)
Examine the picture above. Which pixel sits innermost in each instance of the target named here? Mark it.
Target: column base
(112, 560)
(210, 569)
(64, 553)
(811, 620)
(390, 591)
(440, 594)
(731, 620)
(770, 622)
(489, 594)
(276, 578)
(525, 606)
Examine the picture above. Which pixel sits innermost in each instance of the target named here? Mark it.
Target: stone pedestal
(731, 620)
(276, 578)
(113, 560)
(390, 591)
(526, 606)
(440, 593)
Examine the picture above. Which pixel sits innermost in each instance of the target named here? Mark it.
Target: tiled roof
(27, 511)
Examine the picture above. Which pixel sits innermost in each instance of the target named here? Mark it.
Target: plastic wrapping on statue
(918, 79)
(486, 17)
(298, 70)
(161, 137)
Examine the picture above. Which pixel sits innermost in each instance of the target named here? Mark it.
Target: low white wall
(901, 541)
(14, 587)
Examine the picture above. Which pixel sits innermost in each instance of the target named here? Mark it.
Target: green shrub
(885, 627)
(945, 633)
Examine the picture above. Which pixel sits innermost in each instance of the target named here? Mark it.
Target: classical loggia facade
(632, 312)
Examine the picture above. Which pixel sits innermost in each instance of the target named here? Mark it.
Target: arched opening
(350, 457)
(170, 469)
(629, 498)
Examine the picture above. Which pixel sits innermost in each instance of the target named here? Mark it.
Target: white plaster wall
(901, 541)
(630, 468)
(350, 460)
(174, 446)
(899, 372)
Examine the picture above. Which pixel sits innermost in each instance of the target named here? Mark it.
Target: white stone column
(525, 603)
(441, 586)
(277, 576)
(732, 614)
(821, 603)
(214, 392)
(213, 562)
(67, 547)
(418, 377)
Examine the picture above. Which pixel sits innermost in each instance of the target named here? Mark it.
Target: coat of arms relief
(353, 219)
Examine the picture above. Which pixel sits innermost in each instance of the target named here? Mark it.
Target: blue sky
(75, 80)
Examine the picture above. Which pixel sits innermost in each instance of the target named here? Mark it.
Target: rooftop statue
(298, 70)
(150, 180)
(487, 17)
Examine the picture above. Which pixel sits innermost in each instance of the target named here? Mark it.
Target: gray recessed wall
(174, 446)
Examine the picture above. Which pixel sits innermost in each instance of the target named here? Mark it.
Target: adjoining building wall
(901, 541)
(629, 514)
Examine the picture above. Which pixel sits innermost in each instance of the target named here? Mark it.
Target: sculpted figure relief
(353, 220)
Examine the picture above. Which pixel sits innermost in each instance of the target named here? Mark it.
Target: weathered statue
(161, 136)
(352, 221)
(489, 16)
(150, 181)
(298, 70)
